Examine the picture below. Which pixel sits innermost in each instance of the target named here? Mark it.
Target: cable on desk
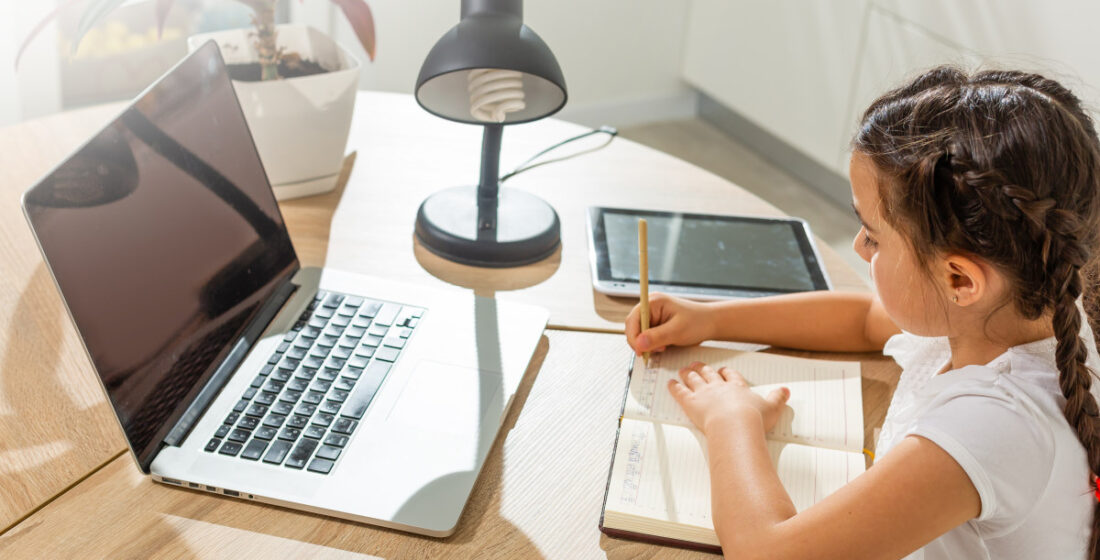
(610, 131)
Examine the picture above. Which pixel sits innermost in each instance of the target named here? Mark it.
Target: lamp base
(515, 229)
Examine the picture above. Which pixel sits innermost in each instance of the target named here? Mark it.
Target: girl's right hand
(672, 322)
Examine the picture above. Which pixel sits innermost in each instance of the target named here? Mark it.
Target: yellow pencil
(643, 277)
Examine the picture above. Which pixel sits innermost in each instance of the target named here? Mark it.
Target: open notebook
(659, 485)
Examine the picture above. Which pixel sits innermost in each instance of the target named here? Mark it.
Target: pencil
(643, 277)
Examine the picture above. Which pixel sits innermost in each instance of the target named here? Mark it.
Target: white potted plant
(295, 84)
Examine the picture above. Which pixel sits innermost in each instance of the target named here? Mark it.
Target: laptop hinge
(221, 375)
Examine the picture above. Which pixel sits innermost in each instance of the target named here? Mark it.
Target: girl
(979, 197)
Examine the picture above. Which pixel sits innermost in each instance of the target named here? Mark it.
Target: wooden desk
(63, 467)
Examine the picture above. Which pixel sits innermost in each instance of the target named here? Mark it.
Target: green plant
(357, 13)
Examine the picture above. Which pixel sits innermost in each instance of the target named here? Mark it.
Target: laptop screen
(164, 238)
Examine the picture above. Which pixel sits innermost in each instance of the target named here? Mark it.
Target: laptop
(234, 370)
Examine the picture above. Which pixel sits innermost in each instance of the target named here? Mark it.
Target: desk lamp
(490, 70)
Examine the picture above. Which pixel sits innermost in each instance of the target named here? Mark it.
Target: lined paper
(661, 473)
(825, 407)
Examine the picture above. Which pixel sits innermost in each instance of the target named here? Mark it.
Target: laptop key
(298, 384)
(259, 381)
(333, 300)
(342, 352)
(282, 376)
(323, 419)
(230, 448)
(347, 310)
(274, 420)
(329, 452)
(355, 332)
(360, 398)
(345, 384)
(313, 397)
(283, 408)
(323, 312)
(370, 309)
(359, 362)
(365, 351)
(289, 337)
(249, 393)
(315, 432)
(222, 430)
(266, 398)
(213, 444)
(360, 321)
(277, 452)
(378, 330)
(338, 395)
(297, 421)
(322, 466)
(239, 436)
(306, 409)
(387, 354)
(371, 340)
(296, 353)
(328, 374)
(301, 453)
(254, 449)
(248, 423)
(232, 418)
(290, 434)
(257, 410)
(265, 433)
(353, 301)
(393, 341)
(387, 314)
(339, 321)
(336, 440)
(266, 369)
(330, 407)
(290, 396)
(240, 406)
(273, 386)
(344, 426)
(353, 372)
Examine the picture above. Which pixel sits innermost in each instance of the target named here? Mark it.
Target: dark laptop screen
(164, 238)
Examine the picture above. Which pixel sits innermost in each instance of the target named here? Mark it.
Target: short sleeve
(1005, 449)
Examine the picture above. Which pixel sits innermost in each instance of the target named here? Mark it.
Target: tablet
(704, 256)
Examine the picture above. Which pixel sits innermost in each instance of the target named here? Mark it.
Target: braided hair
(1004, 166)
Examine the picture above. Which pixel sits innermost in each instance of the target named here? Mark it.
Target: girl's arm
(823, 321)
(911, 496)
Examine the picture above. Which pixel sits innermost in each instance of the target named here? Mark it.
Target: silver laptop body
(166, 244)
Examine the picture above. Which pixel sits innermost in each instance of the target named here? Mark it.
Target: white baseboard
(633, 112)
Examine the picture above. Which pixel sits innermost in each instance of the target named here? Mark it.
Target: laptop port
(211, 488)
(233, 493)
(192, 485)
(171, 481)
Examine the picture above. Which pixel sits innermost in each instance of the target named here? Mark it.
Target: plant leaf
(39, 27)
(362, 22)
(93, 14)
(163, 6)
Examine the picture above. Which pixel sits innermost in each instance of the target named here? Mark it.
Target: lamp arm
(488, 189)
(507, 7)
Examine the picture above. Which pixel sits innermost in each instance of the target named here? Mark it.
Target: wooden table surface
(64, 471)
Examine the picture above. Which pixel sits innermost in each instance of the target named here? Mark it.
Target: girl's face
(906, 292)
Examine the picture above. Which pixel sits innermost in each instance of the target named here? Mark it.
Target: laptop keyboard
(305, 404)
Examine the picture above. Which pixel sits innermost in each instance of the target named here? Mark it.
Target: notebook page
(661, 473)
(825, 407)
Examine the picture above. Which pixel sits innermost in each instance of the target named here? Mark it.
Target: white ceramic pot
(300, 125)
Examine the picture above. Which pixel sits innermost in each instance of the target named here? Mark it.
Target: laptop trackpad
(442, 397)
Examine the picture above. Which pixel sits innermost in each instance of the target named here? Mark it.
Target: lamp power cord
(610, 131)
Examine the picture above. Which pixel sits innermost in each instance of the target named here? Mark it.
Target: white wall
(33, 90)
(805, 71)
(621, 58)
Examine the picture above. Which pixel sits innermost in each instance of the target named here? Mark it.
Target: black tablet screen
(710, 251)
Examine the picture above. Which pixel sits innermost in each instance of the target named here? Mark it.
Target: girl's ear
(966, 280)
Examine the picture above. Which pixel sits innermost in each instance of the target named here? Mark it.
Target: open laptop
(233, 370)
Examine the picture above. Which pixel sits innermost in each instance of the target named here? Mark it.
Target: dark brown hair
(1004, 166)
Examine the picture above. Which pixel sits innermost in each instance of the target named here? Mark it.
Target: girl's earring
(955, 298)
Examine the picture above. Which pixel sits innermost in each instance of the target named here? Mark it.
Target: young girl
(979, 197)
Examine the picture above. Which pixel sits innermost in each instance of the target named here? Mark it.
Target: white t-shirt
(1003, 423)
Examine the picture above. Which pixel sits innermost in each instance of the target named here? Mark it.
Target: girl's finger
(733, 376)
(709, 374)
(678, 390)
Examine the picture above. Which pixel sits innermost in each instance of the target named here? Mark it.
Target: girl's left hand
(711, 397)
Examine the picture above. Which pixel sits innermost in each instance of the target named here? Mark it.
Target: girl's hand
(712, 398)
(673, 322)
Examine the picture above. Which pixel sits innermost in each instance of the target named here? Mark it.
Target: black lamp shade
(495, 40)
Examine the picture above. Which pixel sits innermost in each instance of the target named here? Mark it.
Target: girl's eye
(868, 242)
